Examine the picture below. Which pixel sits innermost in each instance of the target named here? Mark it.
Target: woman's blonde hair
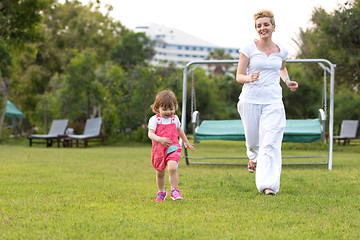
(165, 99)
(265, 13)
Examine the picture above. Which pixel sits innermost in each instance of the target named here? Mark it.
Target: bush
(346, 106)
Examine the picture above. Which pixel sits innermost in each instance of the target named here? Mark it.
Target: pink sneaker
(161, 196)
(175, 194)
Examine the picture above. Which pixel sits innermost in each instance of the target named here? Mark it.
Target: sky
(226, 23)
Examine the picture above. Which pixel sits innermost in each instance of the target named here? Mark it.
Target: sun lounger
(58, 127)
(92, 131)
(348, 131)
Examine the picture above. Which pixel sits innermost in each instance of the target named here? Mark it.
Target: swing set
(297, 130)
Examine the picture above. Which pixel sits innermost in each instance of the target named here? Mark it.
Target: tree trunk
(145, 116)
(45, 115)
(4, 91)
(96, 111)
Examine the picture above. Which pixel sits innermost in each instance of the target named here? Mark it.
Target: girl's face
(264, 27)
(167, 112)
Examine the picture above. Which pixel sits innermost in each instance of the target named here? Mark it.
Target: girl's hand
(189, 145)
(165, 141)
(292, 85)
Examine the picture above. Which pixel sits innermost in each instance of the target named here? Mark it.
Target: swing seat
(297, 130)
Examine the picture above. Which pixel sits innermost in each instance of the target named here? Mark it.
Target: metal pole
(183, 111)
(331, 121)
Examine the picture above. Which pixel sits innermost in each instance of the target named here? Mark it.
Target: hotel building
(172, 45)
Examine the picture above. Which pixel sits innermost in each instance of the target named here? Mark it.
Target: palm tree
(219, 54)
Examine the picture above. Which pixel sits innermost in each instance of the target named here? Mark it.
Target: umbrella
(13, 111)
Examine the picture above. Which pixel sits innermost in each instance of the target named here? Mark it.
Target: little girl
(164, 130)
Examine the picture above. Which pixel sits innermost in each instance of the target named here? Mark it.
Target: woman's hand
(293, 85)
(254, 76)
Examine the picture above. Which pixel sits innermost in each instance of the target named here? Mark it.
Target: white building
(172, 45)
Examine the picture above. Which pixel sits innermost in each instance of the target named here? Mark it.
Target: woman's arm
(285, 77)
(241, 76)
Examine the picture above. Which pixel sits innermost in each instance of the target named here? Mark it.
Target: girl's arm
(285, 77)
(184, 138)
(162, 140)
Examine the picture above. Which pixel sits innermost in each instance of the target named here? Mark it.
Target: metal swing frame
(326, 65)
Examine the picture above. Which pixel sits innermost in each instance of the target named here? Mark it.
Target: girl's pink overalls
(159, 157)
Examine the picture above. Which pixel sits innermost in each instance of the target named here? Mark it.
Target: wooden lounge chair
(348, 131)
(92, 131)
(58, 127)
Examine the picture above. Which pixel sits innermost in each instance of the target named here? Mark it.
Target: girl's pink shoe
(161, 196)
(175, 194)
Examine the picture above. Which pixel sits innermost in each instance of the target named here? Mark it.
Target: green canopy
(13, 111)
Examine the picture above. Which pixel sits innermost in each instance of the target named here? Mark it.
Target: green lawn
(109, 192)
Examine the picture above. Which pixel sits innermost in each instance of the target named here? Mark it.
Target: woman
(261, 65)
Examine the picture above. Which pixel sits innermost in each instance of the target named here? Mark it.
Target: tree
(336, 37)
(220, 54)
(112, 76)
(81, 94)
(128, 97)
(133, 49)
(68, 29)
(143, 87)
(19, 26)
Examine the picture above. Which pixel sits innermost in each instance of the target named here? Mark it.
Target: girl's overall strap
(158, 118)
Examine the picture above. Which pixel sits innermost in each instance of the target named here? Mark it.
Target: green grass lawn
(109, 192)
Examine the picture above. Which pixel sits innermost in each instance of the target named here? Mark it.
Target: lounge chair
(348, 131)
(58, 127)
(92, 131)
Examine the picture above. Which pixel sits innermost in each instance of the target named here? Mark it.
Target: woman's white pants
(264, 126)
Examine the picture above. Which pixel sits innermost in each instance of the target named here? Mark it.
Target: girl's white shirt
(153, 121)
(267, 89)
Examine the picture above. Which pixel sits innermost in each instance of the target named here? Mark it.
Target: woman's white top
(153, 121)
(267, 88)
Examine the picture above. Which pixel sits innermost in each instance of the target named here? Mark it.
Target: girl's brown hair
(265, 13)
(165, 99)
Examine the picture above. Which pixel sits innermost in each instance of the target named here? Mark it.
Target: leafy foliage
(79, 63)
(346, 107)
(306, 101)
(19, 26)
(336, 37)
(78, 44)
(133, 49)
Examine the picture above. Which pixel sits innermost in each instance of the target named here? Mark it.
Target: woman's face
(264, 27)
